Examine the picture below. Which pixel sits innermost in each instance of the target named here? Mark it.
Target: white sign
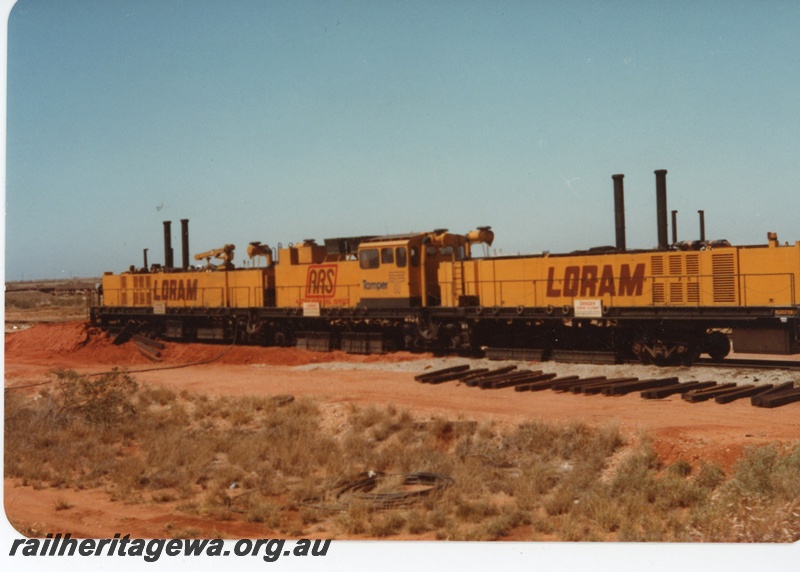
(311, 309)
(588, 308)
(159, 307)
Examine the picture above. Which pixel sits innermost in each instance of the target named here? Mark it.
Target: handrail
(534, 291)
(539, 285)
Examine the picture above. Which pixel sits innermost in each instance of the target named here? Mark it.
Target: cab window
(401, 257)
(414, 256)
(369, 258)
(387, 256)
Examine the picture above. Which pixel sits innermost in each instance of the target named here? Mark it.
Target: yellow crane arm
(225, 254)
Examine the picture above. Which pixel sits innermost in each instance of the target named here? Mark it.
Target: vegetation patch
(51, 302)
(260, 460)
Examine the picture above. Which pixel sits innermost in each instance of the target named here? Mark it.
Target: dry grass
(33, 305)
(257, 460)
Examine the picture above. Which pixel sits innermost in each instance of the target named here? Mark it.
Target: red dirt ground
(694, 432)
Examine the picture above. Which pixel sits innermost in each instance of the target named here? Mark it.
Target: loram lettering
(173, 290)
(591, 280)
(375, 285)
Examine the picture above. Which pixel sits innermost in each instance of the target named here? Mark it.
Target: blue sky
(278, 121)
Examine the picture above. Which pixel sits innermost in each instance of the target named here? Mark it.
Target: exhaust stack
(145, 260)
(619, 211)
(661, 208)
(674, 227)
(168, 244)
(185, 243)
(702, 225)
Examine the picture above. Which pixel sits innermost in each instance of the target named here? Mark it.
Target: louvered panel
(692, 264)
(142, 295)
(693, 292)
(658, 294)
(676, 293)
(723, 268)
(657, 265)
(675, 264)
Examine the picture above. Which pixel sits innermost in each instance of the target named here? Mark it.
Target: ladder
(458, 281)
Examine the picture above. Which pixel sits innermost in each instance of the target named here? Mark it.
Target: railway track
(791, 365)
(609, 358)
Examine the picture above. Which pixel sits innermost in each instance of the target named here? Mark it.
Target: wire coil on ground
(382, 490)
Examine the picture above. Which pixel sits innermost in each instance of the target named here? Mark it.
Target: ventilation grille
(141, 291)
(692, 264)
(141, 281)
(676, 292)
(693, 292)
(675, 264)
(658, 294)
(657, 263)
(723, 267)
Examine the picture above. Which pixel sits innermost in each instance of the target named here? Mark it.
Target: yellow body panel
(333, 284)
(549, 281)
(770, 275)
(240, 288)
(728, 276)
(304, 275)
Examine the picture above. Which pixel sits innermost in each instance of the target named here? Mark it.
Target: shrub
(710, 476)
(768, 472)
(103, 400)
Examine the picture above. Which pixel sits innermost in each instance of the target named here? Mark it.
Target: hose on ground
(382, 491)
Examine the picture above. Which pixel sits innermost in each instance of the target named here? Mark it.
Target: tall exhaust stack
(185, 243)
(661, 208)
(674, 227)
(619, 211)
(702, 225)
(168, 244)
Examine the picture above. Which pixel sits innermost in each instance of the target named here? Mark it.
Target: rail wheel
(428, 330)
(424, 335)
(283, 339)
(640, 350)
(717, 345)
(690, 356)
(692, 351)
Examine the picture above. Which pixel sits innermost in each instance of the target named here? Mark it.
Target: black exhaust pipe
(674, 227)
(619, 211)
(661, 208)
(145, 260)
(702, 225)
(185, 242)
(168, 244)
